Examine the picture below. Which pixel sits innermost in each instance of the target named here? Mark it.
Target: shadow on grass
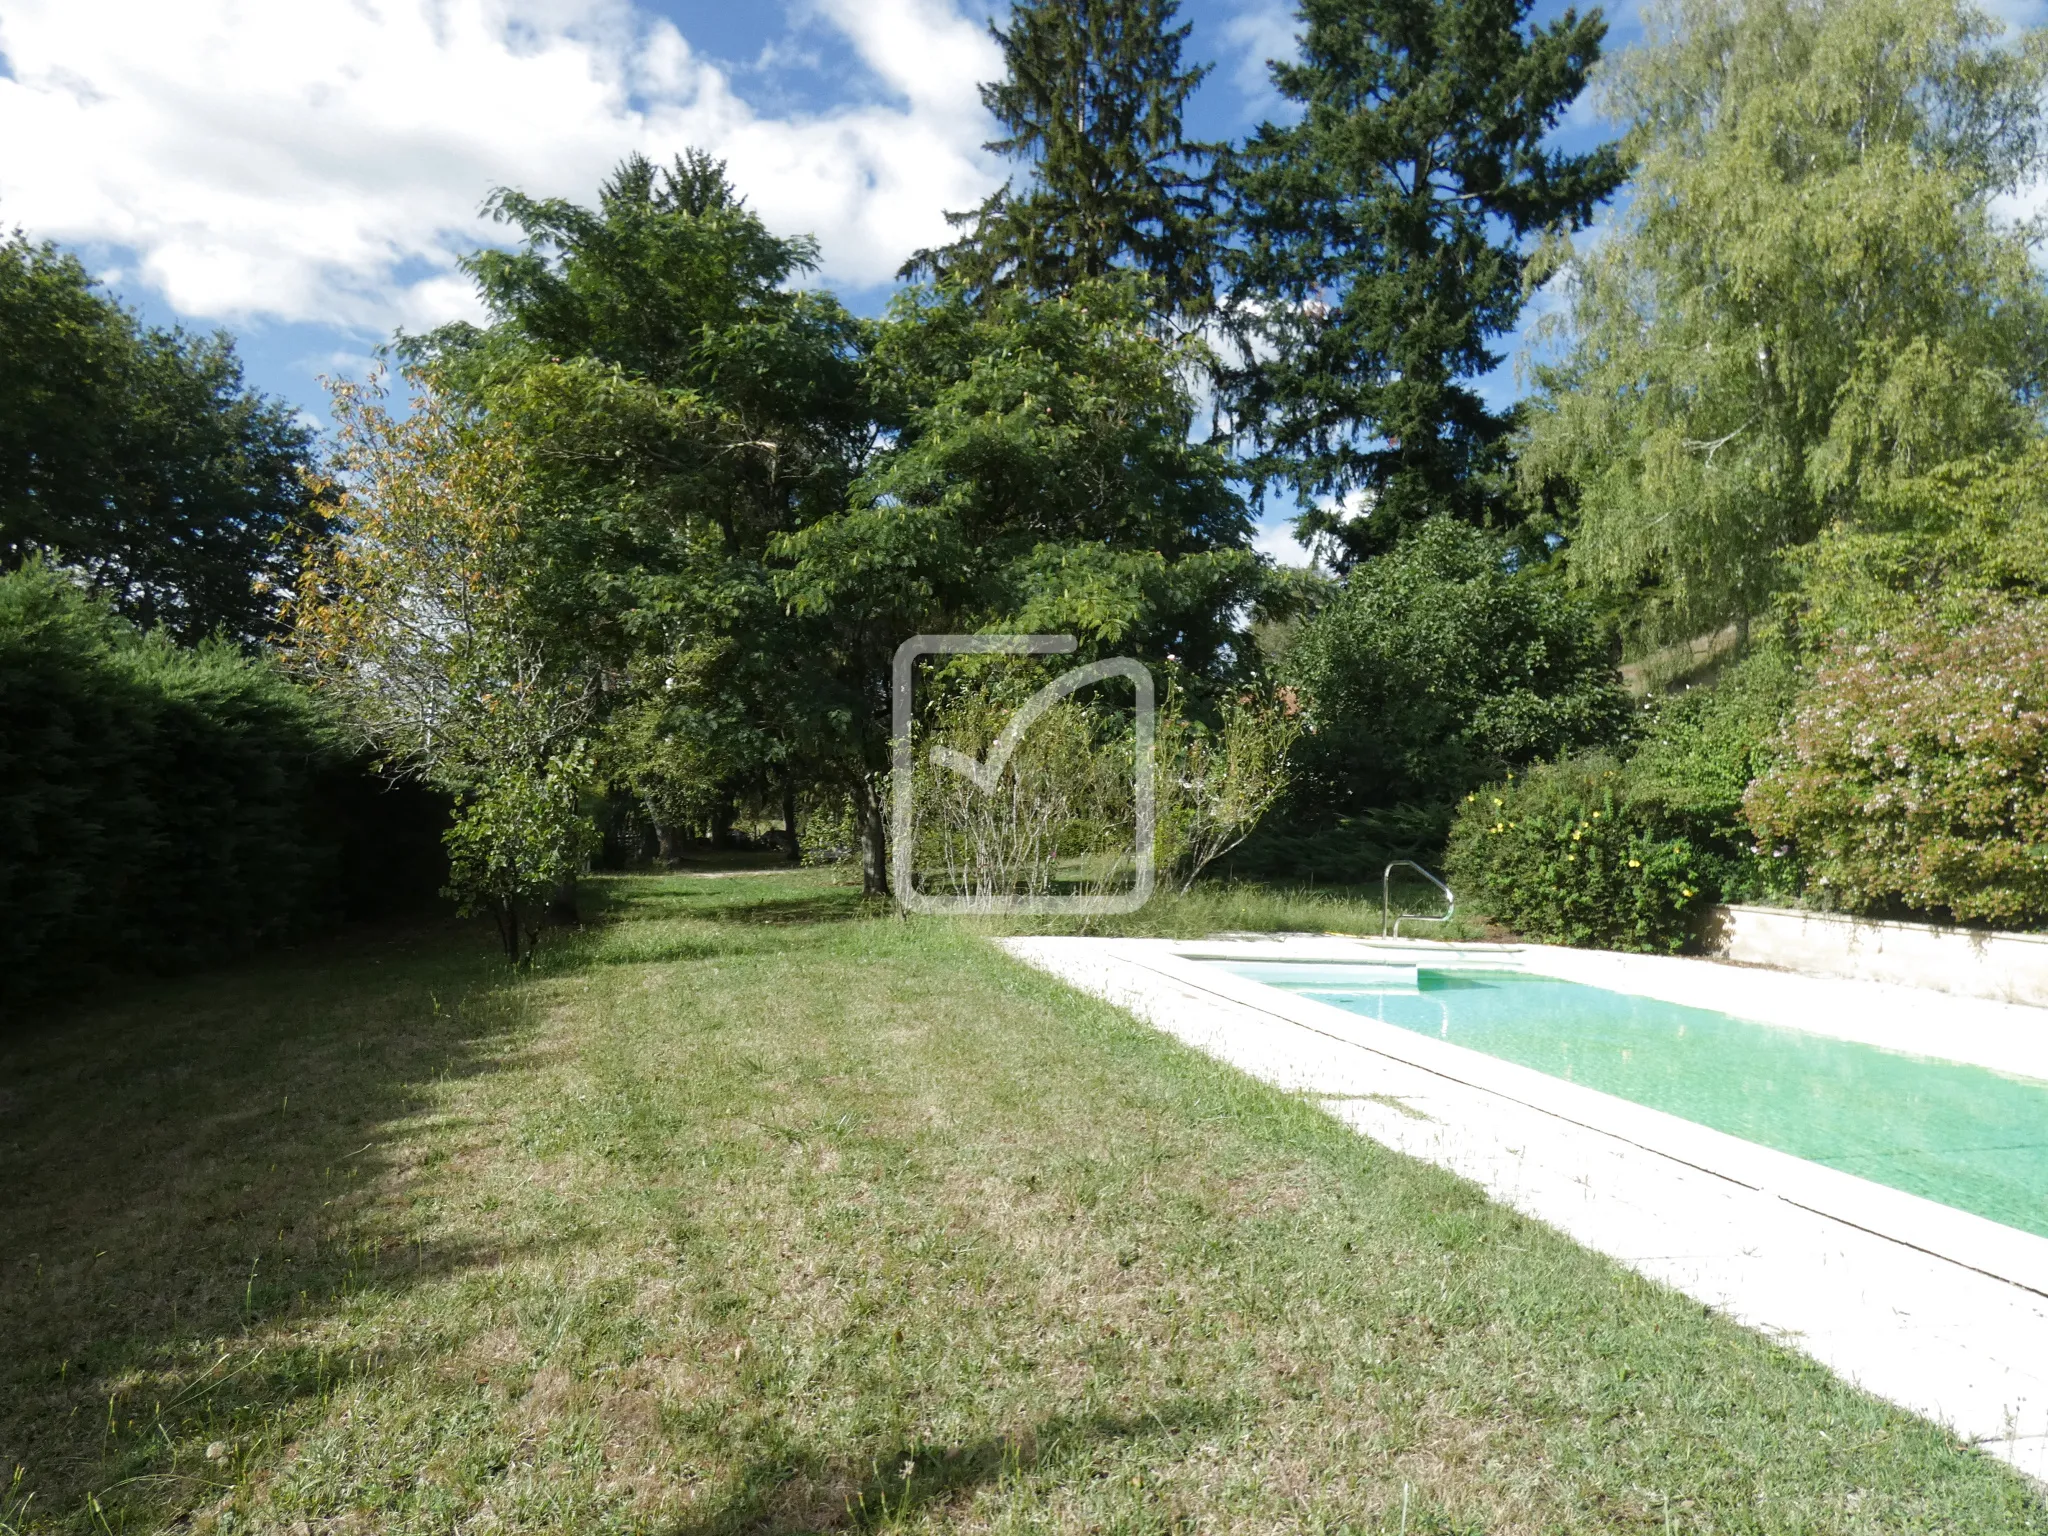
(780, 1494)
(784, 895)
(660, 906)
(834, 906)
(183, 1162)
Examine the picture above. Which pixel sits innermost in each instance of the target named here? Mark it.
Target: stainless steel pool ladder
(1386, 903)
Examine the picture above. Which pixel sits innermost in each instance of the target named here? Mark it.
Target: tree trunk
(506, 915)
(668, 847)
(872, 832)
(721, 827)
(792, 847)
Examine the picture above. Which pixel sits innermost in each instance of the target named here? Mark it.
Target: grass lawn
(757, 1210)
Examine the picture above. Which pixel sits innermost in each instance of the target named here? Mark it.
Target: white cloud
(1276, 539)
(1262, 32)
(323, 160)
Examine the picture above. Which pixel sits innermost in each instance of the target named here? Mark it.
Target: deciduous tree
(675, 402)
(414, 623)
(1042, 479)
(138, 457)
(1808, 298)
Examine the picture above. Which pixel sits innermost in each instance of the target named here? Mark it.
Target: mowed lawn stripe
(754, 1209)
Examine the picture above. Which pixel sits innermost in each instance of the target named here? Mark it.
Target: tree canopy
(1380, 251)
(138, 456)
(1439, 666)
(1042, 478)
(1092, 99)
(1808, 296)
(736, 500)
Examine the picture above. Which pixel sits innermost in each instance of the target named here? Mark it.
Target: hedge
(165, 806)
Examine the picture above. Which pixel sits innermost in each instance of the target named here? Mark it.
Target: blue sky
(305, 174)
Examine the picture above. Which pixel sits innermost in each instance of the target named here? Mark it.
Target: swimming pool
(1967, 1136)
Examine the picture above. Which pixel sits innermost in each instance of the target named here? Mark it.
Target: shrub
(1914, 773)
(1437, 668)
(1565, 855)
(1215, 784)
(1061, 811)
(518, 840)
(1698, 752)
(159, 806)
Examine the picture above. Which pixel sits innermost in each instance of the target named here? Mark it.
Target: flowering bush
(1565, 855)
(1915, 773)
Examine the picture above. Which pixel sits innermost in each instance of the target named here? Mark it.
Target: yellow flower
(1635, 863)
(1596, 815)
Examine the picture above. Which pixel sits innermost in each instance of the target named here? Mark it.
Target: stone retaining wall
(2008, 967)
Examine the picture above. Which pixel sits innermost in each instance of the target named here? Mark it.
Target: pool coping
(1168, 982)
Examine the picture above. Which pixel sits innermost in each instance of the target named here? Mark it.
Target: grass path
(754, 1211)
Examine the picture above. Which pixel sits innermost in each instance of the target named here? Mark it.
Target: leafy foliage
(1808, 298)
(1381, 249)
(676, 404)
(413, 626)
(162, 806)
(1217, 782)
(139, 457)
(1043, 474)
(1906, 778)
(1942, 549)
(1092, 97)
(520, 836)
(1439, 666)
(1696, 756)
(1062, 811)
(675, 401)
(1042, 479)
(1915, 772)
(1565, 855)
(1059, 817)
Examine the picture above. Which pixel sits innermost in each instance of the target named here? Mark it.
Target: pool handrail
(1386, 903)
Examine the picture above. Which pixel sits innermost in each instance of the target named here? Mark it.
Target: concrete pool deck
(1935, 1309)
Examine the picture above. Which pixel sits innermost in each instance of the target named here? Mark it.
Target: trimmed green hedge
(162, 807)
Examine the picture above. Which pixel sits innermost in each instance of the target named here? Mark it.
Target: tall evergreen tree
(1380, 250)
(1092, 95)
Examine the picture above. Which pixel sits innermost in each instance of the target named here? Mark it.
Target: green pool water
(1968, 1137)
